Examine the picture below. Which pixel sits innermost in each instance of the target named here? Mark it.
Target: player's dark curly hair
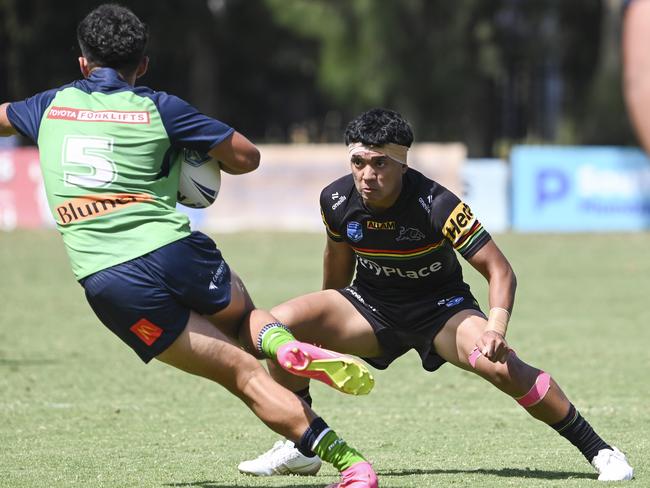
(112, 36)
(379, 126)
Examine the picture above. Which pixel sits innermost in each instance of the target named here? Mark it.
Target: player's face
(378, 179)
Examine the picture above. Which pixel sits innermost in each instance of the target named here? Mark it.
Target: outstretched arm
(237, 154)
(338, 265)
(636, 68)
(493, 265)
(6, 129)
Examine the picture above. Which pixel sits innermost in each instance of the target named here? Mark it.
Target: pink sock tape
(537, 392)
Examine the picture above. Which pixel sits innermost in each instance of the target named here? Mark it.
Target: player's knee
(523, 375)
(529, 385)
(247, 336)
(283, 313)
(499, 375)
(513, 377)
(537, 392)
(248, 370)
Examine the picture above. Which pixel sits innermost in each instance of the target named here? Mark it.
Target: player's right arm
(636, 68)
(339, 259)
(6, 129)
(338, 265)
(236, 154)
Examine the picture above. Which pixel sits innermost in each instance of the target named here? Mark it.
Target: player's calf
(513, 377)
(546, 401)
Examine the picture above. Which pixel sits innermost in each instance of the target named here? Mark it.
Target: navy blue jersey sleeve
(455, 220)
(187, 127)
(25, 116)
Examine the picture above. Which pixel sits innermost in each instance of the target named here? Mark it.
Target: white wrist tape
(498, 320)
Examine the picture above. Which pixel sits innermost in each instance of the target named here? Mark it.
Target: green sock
(336, 451)
(272, 336)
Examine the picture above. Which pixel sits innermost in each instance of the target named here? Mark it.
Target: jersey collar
(107, 79)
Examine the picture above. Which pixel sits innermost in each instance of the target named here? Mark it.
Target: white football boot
(282, 458)
(612, 465)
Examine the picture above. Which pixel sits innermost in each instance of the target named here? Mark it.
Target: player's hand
(493, 346)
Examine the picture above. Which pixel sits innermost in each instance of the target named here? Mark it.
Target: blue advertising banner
(576, 189)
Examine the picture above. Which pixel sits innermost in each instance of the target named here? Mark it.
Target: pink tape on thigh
(474, 356)
(537, 392)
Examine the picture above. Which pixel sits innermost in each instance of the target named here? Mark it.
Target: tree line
(489, 73)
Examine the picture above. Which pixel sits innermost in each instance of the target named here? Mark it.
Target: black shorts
(146, 302)
(405, 325)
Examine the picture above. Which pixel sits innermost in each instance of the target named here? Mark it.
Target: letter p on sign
(551, 184)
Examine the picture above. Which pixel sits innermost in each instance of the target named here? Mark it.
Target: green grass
(78, 409)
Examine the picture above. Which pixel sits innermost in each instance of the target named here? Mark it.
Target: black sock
(304, 395)
(577, 430)
(308, 439)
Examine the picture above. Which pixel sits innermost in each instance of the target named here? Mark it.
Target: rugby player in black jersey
(401, 231)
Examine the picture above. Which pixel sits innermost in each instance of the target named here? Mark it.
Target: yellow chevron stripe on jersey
(329, 230)
(468, 239)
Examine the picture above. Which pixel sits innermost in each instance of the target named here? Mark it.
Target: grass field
(78, 409)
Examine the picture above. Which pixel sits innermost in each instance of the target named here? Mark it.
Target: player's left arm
(495, 267)
(456, 221)
(188, 128)
(236, 154)
(6, 129)
(502, 282)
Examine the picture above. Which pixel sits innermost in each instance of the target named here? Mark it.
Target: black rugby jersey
(408, 248)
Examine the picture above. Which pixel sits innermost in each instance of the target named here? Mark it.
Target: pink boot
(344, 373)
(360, 475)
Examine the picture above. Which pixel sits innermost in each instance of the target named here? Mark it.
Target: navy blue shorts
(146, 302)
(404, 324)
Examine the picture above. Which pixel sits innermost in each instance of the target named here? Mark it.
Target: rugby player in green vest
(106, 151)
(400, 232)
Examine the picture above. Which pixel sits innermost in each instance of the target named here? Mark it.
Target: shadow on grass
(504, 473)
(26, 362)
(384, 474)
(313, 482)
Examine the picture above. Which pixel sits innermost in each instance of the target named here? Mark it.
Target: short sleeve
(26, 115)
(457, 223)
(329, 216)
(187, 127)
